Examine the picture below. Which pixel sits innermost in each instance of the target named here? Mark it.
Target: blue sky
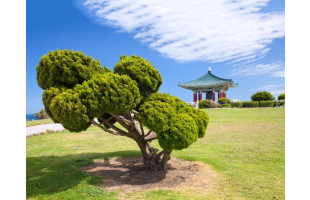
(242, 39)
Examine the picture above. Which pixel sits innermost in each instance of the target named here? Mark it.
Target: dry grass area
(129, 175)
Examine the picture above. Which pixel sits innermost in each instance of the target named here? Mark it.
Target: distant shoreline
(31, 117)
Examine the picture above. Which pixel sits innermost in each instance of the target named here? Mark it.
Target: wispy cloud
(275, 69)
(204, 30)
(273, 89)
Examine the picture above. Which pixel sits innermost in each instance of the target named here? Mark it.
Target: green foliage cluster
(223, 101)
(250, 104)
(159, 113)
(262, 96)
(140, 70)
(75, 108)
(206, 103)
(64, 68)
(41, 115)
(237, 104)
(281, 96)
(182, 132)
(77, 90)
(266, 103)
(226, 105)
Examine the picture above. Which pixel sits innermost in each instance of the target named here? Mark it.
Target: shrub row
(239, 104)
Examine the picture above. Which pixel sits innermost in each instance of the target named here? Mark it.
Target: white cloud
(204, 30)
(273, 89)
(275, 69)
(277, 92)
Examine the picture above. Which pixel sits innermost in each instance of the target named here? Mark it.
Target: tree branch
(151, 139)
(148, 133)
(104, 128)
(120, 118)
(120, 131)
(135, 112)
(141, 126)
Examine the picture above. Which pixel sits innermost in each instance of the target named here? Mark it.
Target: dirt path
(33, 130)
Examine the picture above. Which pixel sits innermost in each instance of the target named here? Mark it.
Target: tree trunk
(152, 159)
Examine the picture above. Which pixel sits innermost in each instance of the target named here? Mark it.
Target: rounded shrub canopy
(181, 133)
(140, 70)
(64, 68)
(201, 118)
(47, 97)
(68, 109)
(158, 113)
(117, 93)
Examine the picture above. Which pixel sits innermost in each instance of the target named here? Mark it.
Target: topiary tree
(281, 96)
(262, 96)
(78, 92)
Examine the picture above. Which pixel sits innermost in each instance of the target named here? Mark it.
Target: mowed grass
(38, 122)
(244, 146)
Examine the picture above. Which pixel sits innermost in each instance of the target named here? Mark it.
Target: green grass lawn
(244, 146)
(38, 122)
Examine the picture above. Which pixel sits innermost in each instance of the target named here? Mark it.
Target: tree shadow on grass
(54, 174)
(120, 173)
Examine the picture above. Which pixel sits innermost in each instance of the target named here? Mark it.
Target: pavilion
(209, 84)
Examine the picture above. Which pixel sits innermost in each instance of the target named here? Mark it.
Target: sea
(31, 117)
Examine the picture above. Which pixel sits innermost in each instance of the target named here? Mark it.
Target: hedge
(250, 104)
(226, 105)
(237, 104)
(266, 103)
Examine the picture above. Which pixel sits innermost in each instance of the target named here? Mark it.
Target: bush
(279, 103)
(250, 104)
(266, 104)
(226, 105)
(262, 96)
(41, 115)
(237, 104)
(207, 104)
(281, 96)
(223, 101)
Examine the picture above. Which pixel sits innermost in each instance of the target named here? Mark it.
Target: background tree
(262, 96)
(77, 91)
(281, 96)
(41, 115)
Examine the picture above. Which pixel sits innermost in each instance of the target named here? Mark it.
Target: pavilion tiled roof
(208, 80)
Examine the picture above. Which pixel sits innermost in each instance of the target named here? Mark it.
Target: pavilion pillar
(213, 96)
(200, 96)
(218, 94)
(224, 94)
(195, 97)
